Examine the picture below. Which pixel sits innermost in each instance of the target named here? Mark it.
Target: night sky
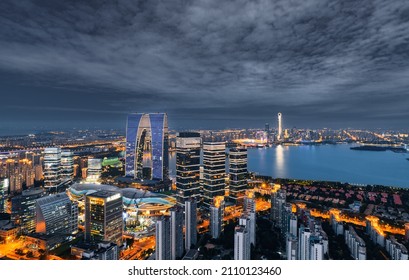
(207, 63)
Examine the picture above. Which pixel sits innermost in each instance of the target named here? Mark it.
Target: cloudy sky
(207, 63)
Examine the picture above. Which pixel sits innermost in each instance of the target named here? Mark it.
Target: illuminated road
(139, 247)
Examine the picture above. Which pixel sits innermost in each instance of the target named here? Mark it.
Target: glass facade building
(237, 174)
(214, 171)
(147, 146)
(67, 165)
(103, 217)
(23, 209)
(188, 146)
(56, 214)
(52, 167)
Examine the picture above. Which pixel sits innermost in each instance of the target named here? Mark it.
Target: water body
(328, 163)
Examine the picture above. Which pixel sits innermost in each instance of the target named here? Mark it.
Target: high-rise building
(190, 223)
(241, 243)
(280, 127)
(163, 242)
(285, 219)
(3, 194)
(278, 199)
(23, 209)
(316, 250)
(67, 165)
(147, 143)
(248, 218)
(176, 232)
(38, 169)
(355, 244)
(291, 247)
(52, 167)
(304, 243)
(237, 174)
(188, 146)
(293, 225)
(103, 217)
(56, 214)
(216, 217)
(94, 170)
(214, 171)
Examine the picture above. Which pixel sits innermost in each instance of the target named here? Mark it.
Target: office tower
(291, 247)
(267, 128)
(147, 143)
(280, 127)
(103, 217)
(293, 225)
(23, 209)
(94, 170)
(188, 146)
(52, 167)
(277, 201)
(214, 169)
(237, 174)
(67, 165)
(190, 223)
(3, 194)
(56, 214)
(176, 232)
(241, 243)
(304, 243)
(163, 242)
(216, 217)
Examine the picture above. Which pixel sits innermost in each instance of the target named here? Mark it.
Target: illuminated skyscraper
(176, 232)
(52, 167)
(237, 174)
(216, 217)
(190, 223)
(280, 127)
(214, 171)
(147, 142)
(103, 217)
(67, 163)
(163, 242)
(188, 145)
(56, 214)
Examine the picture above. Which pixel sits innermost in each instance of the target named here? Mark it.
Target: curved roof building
(131, 197)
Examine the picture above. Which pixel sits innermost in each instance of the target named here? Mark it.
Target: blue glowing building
(147, 145)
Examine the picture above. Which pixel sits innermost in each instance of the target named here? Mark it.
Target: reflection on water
(279, 161)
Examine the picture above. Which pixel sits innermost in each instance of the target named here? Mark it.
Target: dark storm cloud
(235, 62)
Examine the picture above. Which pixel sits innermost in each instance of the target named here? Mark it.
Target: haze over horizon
(208, 64)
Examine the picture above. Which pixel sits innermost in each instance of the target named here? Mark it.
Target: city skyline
(320, 63)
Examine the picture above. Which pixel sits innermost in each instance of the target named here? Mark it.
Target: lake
(328, 163)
